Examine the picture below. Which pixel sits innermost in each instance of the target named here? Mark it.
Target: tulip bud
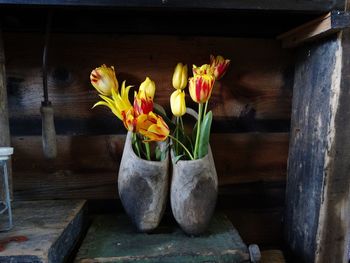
(142, 103)
(148, 88)
(177, 103)
(200, 87)
(180, 76)
(219, 66)
(104, 80)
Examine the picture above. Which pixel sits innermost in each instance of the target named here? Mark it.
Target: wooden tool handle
(48, 132)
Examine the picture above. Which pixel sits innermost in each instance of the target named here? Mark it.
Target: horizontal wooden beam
(302, 5)
(323, 26)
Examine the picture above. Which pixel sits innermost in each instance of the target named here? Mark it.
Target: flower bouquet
(143, 173)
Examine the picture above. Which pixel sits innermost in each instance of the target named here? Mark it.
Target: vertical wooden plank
(317, 197)
(4, 118)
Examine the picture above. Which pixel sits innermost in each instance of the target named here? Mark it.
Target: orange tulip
(219, 66)
(152, 126)
(104, 80)
(200, 87)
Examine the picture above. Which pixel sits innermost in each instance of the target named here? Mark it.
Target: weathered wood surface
(272, 256)
(256, 90)
(51, 227)
(4, 114)
(290, 5)
(112, 239)
(87, 166)
(317, 202)
(323, 26)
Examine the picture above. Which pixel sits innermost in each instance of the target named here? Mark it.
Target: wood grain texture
(317, 201)
(256, 87)
(272, 256)
(51, 227)
(293, 5)
(111, 238)
(4, 112)
(87, 166)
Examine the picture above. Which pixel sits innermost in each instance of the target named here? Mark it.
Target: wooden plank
(317, 202)
(272, 256)
(50, 230)
(113, 239)
(302, 5)
(4, 114)
(86, 166)
(323, 26)
(256, 88)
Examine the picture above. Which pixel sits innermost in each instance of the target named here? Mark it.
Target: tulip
(104, 80)
(152, 126)
(118, 103)
(200, 87)
(148, 88)
(177, 103)
(142, 103)
(129, 120)
(219, 66)
(204, 69)
(180, 76)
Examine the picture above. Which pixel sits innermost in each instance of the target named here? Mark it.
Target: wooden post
(318, 184)
(4, 118)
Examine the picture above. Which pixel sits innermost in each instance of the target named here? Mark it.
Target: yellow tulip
(118, 103)
(147, 88)
(152, 126)
(180, 76)
(178, 103)
(219, 66)
(104, 80)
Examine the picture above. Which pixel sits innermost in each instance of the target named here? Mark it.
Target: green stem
(205, 108)
(200, 110)
(135, 143)
(148, 151)
(183, 146)
(182, 124)
(177, 136)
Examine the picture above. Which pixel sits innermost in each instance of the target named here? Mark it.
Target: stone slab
(112, 238)
(49, 231)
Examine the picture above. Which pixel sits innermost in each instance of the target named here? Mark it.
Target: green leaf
(177, 158)
(205, 135)
(158, 109)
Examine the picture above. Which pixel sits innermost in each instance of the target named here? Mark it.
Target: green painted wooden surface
(112, 238)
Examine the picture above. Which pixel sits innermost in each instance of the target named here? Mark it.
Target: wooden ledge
(323, 26)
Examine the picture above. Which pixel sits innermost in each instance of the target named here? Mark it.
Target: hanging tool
(47, 114)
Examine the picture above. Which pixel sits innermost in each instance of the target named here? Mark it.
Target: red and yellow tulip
(219, 66)
(200, 87)
(104, 80)
(152, 126)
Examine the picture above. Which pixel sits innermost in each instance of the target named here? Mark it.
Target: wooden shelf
(302, 5)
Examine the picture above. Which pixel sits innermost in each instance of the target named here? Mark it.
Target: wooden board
(113, 239)
(52, 229)
(317, 202)
(302, 5)
(255, 92)
(323, 26)
(86, 166)
(272, 256)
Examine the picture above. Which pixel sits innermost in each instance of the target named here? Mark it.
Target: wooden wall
(251, 108)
